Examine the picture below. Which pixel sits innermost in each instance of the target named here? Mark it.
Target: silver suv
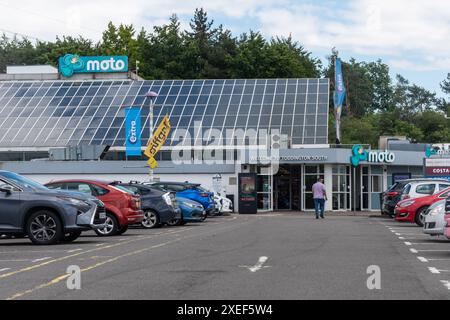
(421, 188)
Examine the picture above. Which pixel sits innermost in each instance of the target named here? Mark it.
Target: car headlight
(406, 203)
(79, 204)
(190, 205)
(167, 199)
(436, 210)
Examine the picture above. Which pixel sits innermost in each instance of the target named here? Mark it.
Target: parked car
(45, 216)
(192, 211)
(394, 194)
(159, 207)
(123, 207)
(435, 219)
(192, 191)
(223, 204)
(447, 218)
(414, 209)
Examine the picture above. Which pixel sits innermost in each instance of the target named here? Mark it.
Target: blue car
(192, 191)
(192, 211)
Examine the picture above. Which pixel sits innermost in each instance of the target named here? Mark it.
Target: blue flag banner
(133, 132)
(338, 97)
(339, 93)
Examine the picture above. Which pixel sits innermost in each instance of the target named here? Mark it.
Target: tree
(199, 41)
(248, 62)
(120, 41)
(359, 86)
(410, 99)
(445, 85)
(378, 74)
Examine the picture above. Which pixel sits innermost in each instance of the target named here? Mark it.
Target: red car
(414, 210)
(123, 207)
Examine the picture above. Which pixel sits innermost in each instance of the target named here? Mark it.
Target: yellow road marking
(63, 277)
(12, 273)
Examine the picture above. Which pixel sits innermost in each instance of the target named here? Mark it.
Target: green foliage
(375, 104)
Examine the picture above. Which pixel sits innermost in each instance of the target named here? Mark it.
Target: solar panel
(61, 113)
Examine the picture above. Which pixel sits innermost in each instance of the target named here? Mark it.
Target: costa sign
(437, 171)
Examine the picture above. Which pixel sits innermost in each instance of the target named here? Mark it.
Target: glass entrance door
(264, 189)
(288, 188)
(365, 188)
(283, 193)
(311, 175)
(341, 188)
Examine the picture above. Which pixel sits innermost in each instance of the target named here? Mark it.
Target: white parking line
(5, 269)
(436, 271)
(423, 243)
(446, 284)
(74, 250)
(41, 259)
(413, 250)
(422, 259)
(432, 250)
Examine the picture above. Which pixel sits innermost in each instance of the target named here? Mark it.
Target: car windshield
(124, 189)
(23, 181)
(398, 186)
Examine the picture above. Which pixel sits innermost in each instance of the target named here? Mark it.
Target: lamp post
(152, 95)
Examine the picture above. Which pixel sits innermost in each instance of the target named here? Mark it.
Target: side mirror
(6, 188)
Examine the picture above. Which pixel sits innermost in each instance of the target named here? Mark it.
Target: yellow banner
(157, 141)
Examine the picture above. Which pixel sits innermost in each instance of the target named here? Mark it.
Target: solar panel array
(62, 113)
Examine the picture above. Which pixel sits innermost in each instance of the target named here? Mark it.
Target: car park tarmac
(264, 256)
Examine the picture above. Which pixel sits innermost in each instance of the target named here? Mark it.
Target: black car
(159, 207)
(45, 216)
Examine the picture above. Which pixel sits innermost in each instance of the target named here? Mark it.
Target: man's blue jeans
(319, 205)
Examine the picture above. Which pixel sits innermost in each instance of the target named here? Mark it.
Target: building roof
(61, 113)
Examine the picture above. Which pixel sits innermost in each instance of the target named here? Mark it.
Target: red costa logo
(438, 171)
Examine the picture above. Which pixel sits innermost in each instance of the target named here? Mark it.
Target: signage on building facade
(157, 141)
(133, 132)
(72, 63)
(438, 168)
(360, 154)
(440, 149)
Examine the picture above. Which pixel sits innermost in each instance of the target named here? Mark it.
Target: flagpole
(152, 95)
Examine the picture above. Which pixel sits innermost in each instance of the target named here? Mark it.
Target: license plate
(102, 215)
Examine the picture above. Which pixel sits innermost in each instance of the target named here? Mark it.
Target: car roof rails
(116, 182)
(135, 182)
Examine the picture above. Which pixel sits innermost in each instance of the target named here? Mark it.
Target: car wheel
(111, 226)
(44, 228)
(151, 220)
(175, 222)
(420, 216)
(70, 237)
(122, 230)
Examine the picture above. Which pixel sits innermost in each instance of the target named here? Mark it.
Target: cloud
(89, 18)
(410, 34)
(392, 28)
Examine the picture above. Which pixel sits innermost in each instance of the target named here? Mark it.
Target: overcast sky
(411, 36)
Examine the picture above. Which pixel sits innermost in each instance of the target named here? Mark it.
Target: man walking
(319, 195)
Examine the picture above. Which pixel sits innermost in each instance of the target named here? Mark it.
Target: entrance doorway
(288, 188)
